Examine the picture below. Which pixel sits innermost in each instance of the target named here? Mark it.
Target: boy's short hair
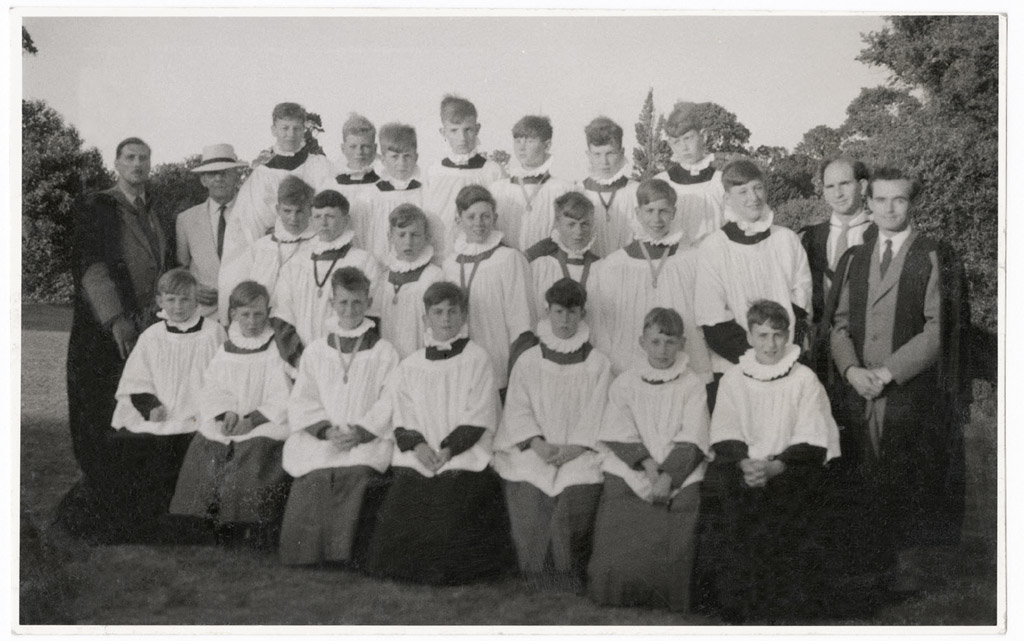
(740, 172)
(533, 127)
(684, 117)
(245, 293)
(573, 204)
(567, 293)
(603, 131)
(294, 191)
(667, 320)
(455, 109)
(471, 195)
(894, 173)
(177, 281)
(351, 279)
(860, 170)
(357, 125)
(407, 214)
(289, 111)
(331, 198)
(769, 312)
(445, 291)
(397, 137)
(131, 141)
(655, 189)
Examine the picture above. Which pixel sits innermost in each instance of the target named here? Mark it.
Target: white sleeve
(520, 423)
(588, 428)
(305, 406)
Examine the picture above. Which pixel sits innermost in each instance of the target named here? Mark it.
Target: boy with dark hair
(609, 186)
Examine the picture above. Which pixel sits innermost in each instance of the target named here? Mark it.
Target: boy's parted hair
(357, 125)
(331, 198)
(177, 281)
(740, 172)
(667, 320)
(654, 189)
(603, 131)
(350, 279)
(246, 293)
(573, 204)
(445, 291)
(765, 311)
(684, 117)
(472, 194)
(894, 173)
(567, 293)
(131, 141)
(457, 110)
(294, 191)
(860, 170)
(533, 127)
(397, 137)
(288, 111)
(407, 214)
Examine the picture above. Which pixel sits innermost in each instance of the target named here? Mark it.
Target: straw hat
(218, 158)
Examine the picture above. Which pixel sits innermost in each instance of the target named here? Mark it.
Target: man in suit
(200, 230)
(120, 251)
(897, 342)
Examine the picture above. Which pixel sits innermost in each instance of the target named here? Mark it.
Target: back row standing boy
(609, 186)
(359, 175)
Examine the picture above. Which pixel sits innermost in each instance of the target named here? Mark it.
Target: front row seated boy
(443, 520)
(546, 447)
(158, 404)
(656, 426)
(772, 434)
(334, 452)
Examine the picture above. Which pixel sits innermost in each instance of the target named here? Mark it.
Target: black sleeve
(365, 435)
(462, 438)
(257, 418)
(632, 454)
(145, 403)
(730, 451)
(681, 462)
(287, 339)
(407, 439)
(803, 454)
(523, 342)
(525, 445)
(800, 326)
(319, 429)
(727, 339)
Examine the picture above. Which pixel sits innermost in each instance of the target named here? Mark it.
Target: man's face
(133, 164)
(222, 184)
(890, 204)
(605, 160)
(843, 193)
(359, 150)
(461, 136)
(289, 134)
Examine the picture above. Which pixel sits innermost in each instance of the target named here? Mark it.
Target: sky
(182, 83)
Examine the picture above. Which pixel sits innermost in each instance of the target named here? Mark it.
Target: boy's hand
(427, 456)
(546, 451)
(651, 470)
(566, 453)
(158, 414)
(866, 382)
(754, 472)
(443, 457)
(206, 295)
(227, 427)
(243, 426)
(125, 336)
(773, 468)
(661, 488)
(343, 440)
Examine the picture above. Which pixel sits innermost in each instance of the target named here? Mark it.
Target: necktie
(147, 225)
(221, 225)
(842, 243)
(886, 258)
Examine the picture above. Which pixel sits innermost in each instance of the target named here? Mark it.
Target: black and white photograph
(645, 320)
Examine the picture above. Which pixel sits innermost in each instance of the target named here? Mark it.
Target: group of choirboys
(426, 374)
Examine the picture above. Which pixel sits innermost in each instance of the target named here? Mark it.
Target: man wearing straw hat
(200, 230)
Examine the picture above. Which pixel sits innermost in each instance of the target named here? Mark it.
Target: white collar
(465, 248)
(653, 375)
(444, 346)
(860, 218)
(698, 166)
(562, 345)
(286, 236)
(762, 372)
(396, 264)
(278, 152)
(519, 171)
(751, 228)
(897, 241)
(462, 159)
(401, 185)
(356, 174)
(320, 246)
(571, 253)
(624, 172)
(668, 239)
(239, 339)
(361, 329)
(185, 325)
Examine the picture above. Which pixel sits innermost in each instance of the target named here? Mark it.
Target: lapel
(892, 275)
(126, 211)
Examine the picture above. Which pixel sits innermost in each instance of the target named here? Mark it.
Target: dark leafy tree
(652, 153)
(725, 133)
(820, 142)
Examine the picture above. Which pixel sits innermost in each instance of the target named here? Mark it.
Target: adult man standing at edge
(120, 250)
(898, 341)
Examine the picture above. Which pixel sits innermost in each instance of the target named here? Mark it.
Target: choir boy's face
(350, 306)
(331, 222)
(179, 306)
(768, 342)
(400, 164)
(252, 318)
(294, 218)
(531, 151)
(565, 321)
(444, 319)
(656, 217)
(409, 241)
(477, 221)
(461, 136)
(689, 148)
(843, 193)
(359, 150)
(661, 349)
(605, 160)
(289, 134)
(891, 205)
(576, 234)
(747, 200)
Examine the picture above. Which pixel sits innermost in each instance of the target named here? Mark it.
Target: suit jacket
(197, 245)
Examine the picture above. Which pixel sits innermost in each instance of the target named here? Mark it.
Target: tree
(724, 132)
(877, 110)
(27, 46)
(820, 142)
(314, 126)
(176, 187)
(652, 153)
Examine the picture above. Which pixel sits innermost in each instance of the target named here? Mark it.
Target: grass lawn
(65, 582)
